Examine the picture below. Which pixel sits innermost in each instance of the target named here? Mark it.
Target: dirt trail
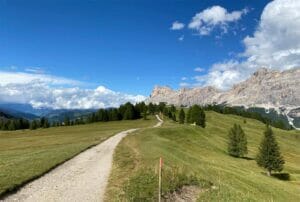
(83, 178)
(159, 123)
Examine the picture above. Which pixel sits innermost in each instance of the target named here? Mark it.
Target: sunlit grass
(25, 155)
(204, 152)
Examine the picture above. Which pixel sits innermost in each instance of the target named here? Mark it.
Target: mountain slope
(5, 116)
(203, 152)
(264, 89)
(18, 114)
(59, 115)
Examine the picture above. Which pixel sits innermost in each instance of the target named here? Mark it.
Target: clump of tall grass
(143, 185)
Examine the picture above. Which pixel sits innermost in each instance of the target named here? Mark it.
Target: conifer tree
(269, 156)
(66, 121)
(129, 112)
(151, 108)
(174, 117)
(173, 108)
(166, 112)
(237, 145)
(188, 115)
(33, 125)
(145, 114)
(202, 118)
(114, 115)
(11, 125)
(181, 116)
(197, 115)
(46, 123)
(161, 106)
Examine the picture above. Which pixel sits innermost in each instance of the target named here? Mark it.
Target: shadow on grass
(281, 176)
(248, 158)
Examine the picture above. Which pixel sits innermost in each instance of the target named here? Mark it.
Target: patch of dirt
(185, 194)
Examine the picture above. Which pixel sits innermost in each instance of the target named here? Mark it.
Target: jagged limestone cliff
(265, 88)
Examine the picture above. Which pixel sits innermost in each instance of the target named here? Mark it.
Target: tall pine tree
(181, 116)
(188, 115)
(129, 112)
(269, 156)
(151, 108)
(145, 113)
(196, 115)
(237, 144)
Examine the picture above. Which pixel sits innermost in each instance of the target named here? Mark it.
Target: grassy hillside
(25, 155)
(203, 152)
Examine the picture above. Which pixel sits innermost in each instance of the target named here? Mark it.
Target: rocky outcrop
(265, 88)
(184, 96)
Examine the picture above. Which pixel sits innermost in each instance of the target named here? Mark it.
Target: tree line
(195, 114)
(14, 124)
(126, 111)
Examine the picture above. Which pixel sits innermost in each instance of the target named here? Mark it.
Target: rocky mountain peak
(262, 72)
(265, 87)
(161, 90)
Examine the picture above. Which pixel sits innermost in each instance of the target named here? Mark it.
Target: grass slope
(204, 152)
(25, 155)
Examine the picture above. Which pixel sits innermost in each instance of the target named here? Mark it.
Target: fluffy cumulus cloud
(42, 90)
(275, 44)
(221, 75)
(177, 25)
(214, 17)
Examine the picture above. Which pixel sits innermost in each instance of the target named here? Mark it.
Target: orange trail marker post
(159, 179)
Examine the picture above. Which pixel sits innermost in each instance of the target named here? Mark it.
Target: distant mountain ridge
(26, 111)
(18, 114)
(5, 116)
(265, 88)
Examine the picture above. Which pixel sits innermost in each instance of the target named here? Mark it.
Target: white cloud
(214, 17)
(181, 38)
(24, 78)
(184, 78)
(41, 90)
(36, 70)
(177, 25)
(199, 69)
(184, 84)
(275, 44)
(221, 75)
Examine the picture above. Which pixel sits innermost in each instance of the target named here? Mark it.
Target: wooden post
(159, 179)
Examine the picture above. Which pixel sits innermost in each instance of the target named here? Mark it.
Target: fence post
(159, 179)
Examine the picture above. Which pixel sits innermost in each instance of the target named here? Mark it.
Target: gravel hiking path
(83, 178)
(160, 122)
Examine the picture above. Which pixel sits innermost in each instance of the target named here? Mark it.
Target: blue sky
(124, 45)
(129, 46)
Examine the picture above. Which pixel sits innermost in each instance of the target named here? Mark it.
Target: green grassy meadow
(203, 152)
(27, 154)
